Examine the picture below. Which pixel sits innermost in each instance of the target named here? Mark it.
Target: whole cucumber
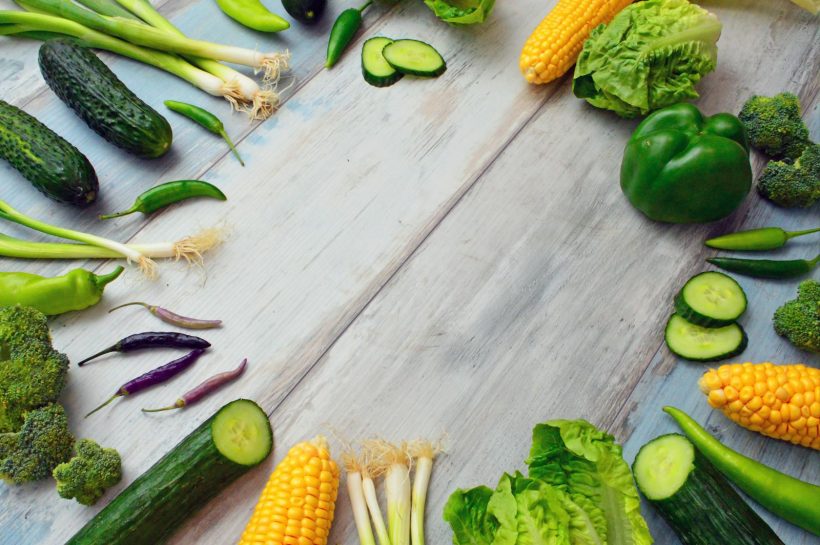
(48, 161)
(305, 11)
(94, 92)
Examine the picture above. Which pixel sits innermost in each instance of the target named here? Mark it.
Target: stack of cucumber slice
(386, 61)
(704, 326)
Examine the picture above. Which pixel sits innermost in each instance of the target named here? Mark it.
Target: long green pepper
(205, 119)
(765, 238)
(345, 27)
(766, 268)
(167, 194)
(77, 290)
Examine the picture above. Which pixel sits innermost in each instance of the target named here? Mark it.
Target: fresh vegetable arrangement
(77, 290)
(164, 195)
(799, 319)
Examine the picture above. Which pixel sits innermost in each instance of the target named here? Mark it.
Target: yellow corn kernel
(555, 44)
(780, 401)
(287, 512)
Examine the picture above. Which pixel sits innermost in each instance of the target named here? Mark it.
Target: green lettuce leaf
(585, 463)
(649, 56)
(466, 511)
(461, 12)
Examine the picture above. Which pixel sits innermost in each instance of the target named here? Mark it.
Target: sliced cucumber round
(697, 343)
(415, 58)
(711, 299)
(663, 465)
(241, 432)
(376, 70)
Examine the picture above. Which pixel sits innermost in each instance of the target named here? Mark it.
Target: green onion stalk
(141, 34)
(424, 452)
(369, 472)
(353, 467)
(40, 27)
(395, 462)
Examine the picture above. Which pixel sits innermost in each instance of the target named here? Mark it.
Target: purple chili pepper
(173, 318)
(154, 377)
(209, 386)
(151, 339)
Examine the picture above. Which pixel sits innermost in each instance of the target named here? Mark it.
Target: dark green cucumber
(697, 343)
(694, 497)
(227, 445)
(94, 92)
(375, 69)
(415, 58)
(49, 162)
(305, 11)
(711, 299)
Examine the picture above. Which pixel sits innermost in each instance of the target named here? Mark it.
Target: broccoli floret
(793, 185)
(799, 319)
(88, 474)
(43, 442)
(774, 125)
(32, 373)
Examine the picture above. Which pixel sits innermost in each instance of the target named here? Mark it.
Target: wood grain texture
(451, 256)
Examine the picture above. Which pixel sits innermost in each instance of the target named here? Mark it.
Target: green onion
(372, 500)
(424, 452)
(353, 466)
(395, 462)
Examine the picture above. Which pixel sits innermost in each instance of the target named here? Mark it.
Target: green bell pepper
(681, 167)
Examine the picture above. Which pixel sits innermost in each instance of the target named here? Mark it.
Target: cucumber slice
(376, 70)
(697, 343)
(711, 299)
(694, 497)
(415, 58)
(241, 432)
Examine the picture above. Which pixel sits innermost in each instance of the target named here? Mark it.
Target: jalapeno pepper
(765, 268)
(345, 27)
(765, 238)
(169, 193)
(76, 290)
(253, 14)
(205, 119)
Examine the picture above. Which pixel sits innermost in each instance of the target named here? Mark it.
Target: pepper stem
(110, 399)
(792, 234)
(170, 408)
(134, 208)
(98, 354)
(227, 139)
(365, 6)
(101, 280)
(815, 261)
(140, 303)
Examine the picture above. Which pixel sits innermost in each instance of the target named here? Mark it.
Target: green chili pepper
(169, 193)
(765, 268)
(253, 14)
(205, 119)
(766, 238)
(345, 27)
(76, 290)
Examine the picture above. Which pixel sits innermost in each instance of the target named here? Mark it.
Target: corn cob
(779, 401)
(297, 505)
(555, 44)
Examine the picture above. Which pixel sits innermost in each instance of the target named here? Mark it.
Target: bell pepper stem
(792, 234)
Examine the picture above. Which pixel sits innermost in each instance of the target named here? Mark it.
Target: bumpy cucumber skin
(48, 161)
(94, 92)
(706, 510)
(149, 510)
(744, 342)
(373, 79)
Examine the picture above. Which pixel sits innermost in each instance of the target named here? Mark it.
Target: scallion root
(273, 65)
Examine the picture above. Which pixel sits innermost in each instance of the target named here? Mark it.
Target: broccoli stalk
(774, 125)
(43, 442)
(799, 319)
(793, 185)
(88, 474)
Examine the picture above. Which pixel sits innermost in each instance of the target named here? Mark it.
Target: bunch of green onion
(133, 28)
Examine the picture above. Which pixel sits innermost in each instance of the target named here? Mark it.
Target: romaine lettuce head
(461, 12)
(466, 511)
(649, 56)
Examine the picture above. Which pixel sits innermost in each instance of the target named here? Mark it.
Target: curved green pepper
(253, 14)
(681, 167)
(76, 290)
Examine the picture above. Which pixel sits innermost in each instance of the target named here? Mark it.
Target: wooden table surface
(441, 256)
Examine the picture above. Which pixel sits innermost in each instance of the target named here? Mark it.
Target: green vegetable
(649, 56)
(345, 27)
(77, 290)
(226, 446)
(579, 490)
(681, 167)
(205, 119)
(774, 125)
(42, 442)
(799, 319)
(697, 343)
(785, 496)
(51, 164)
(695, 499)
(166, 194)
(89, 473)
(253, 14)
(793, 185)
(414, 58)
(766, 268)
(305, 11)
(461, 12)
(765, 238)
(711, 299)
(99, 98)
(375, 69)
(32, 373)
